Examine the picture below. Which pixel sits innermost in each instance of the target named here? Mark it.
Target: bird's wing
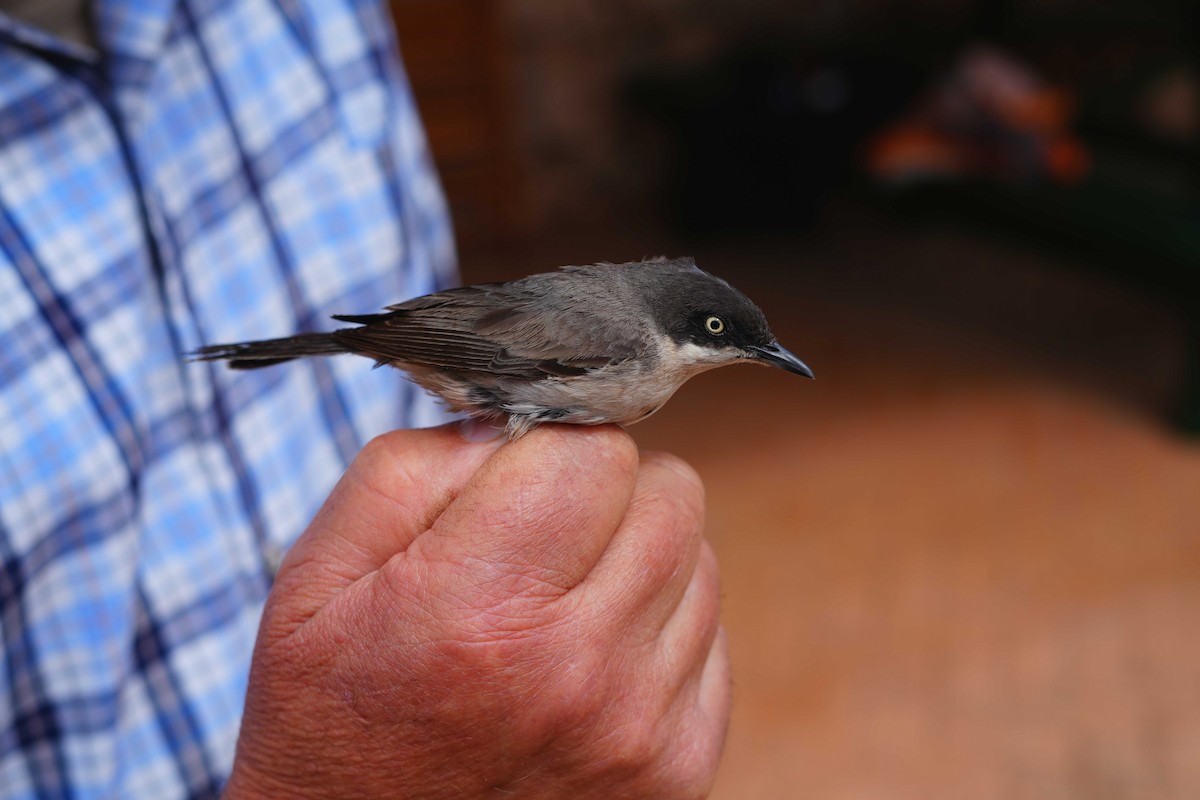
(494, 329)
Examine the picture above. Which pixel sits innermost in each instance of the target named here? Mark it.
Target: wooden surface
(956, 565)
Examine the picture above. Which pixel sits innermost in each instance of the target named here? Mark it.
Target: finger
(713, 705)
(714, 699)
(699, 721)
(649, 563)
(393, 491)
(687, 637)
(537, 516)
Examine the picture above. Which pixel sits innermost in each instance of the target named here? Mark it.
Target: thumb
(395, 488)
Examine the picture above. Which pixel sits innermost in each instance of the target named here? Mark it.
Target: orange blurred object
(991, 117)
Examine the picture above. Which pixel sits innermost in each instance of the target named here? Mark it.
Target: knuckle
(668, 543)
(379, 452)
(633, 750)
(664, 763)
(379, 465)
(575, 692)
(675, 756)
(681, 476)
(688, 771)
(673, 486)
(618, 450)
(391, 469)
(674, 507)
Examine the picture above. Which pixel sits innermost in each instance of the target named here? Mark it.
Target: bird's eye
(714, 325)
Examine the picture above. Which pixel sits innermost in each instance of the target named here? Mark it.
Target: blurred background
(965, 562)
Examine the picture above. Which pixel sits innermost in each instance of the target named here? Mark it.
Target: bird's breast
(623, 392)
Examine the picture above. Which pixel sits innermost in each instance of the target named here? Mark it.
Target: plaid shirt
(222, 170)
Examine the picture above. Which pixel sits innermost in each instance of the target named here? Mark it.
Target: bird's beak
(777, 356)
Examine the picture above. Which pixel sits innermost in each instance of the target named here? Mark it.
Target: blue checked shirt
(219, 170)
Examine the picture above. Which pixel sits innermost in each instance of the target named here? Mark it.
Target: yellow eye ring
(714, 325)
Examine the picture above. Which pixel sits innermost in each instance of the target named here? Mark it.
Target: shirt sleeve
(226, 171)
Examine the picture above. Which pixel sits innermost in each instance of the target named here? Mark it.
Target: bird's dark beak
(777, 356)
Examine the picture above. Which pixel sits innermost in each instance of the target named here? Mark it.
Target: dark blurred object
(991, 116)
(756, 138)
(996, 138)
(455, 54)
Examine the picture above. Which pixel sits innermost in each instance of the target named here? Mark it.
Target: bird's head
(708, 322)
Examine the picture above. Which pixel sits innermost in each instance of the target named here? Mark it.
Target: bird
(583, 345)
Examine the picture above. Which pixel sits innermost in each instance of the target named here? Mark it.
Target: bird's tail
(252, 355)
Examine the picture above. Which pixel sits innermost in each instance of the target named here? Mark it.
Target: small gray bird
(583, 345)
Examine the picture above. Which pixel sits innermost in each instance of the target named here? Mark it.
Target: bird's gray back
(553, 324)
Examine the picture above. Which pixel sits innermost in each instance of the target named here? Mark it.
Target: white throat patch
(690, 359)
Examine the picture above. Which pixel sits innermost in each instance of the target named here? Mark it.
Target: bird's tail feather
(252, 355)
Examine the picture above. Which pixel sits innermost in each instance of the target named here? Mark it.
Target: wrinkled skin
(471, 620)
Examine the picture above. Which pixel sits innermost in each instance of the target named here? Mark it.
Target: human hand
(472, 620)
